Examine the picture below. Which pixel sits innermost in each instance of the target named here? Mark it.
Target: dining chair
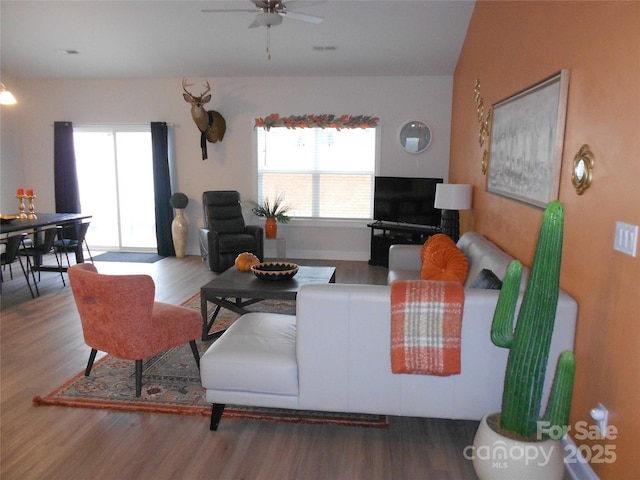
(75, 242)
(37, 250)
(120, 316)
(10, 255)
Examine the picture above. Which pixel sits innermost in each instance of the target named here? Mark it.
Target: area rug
(171, 384)
(226, 317)
(133, 257)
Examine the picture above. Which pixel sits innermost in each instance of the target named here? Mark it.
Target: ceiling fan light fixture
(268, 19)
(6, 97)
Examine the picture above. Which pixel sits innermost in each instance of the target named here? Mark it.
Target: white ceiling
(147, 38)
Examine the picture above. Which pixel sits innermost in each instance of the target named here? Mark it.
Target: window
(322, 172)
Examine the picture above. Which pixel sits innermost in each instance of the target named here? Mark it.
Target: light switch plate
(626, 238)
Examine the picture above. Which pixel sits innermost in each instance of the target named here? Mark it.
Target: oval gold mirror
(415, 136)
(582, 173)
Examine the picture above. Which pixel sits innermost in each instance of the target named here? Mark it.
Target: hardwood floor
(42, 346)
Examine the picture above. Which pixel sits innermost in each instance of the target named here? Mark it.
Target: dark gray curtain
(64, 169)
(162, 188)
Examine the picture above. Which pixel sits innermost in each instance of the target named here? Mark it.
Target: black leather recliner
(225, 234)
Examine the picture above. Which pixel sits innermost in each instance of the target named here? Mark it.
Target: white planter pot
(496, 457)
(179, 232)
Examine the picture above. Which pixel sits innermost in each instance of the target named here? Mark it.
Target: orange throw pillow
(443, 260)
(434, 242)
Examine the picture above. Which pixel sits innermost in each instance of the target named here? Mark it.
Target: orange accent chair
(119, 316)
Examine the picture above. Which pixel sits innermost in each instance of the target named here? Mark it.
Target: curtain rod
(169, 124)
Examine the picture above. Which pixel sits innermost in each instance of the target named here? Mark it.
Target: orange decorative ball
(245, 260)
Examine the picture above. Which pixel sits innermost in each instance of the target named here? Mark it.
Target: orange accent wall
(510, 46)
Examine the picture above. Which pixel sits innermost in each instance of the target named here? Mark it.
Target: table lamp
(451, 198)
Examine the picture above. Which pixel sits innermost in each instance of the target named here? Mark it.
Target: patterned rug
(226, 317)
(171, 384)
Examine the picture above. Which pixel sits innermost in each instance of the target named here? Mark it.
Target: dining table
(11, 224)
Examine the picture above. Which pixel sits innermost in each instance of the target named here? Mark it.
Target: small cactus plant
(530, 341)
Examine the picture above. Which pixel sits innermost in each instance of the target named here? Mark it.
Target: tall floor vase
(180, 232)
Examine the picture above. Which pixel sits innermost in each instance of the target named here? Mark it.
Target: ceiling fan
(270, 13)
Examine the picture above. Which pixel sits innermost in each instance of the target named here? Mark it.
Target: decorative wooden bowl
(7, 218)
(274, 270)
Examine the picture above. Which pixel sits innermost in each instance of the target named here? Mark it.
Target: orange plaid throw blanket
(426, 322)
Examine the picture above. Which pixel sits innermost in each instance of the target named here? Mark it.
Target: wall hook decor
(485, 123)
(582, 173)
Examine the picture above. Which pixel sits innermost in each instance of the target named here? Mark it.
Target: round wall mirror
(415, 136)
(580, 169)
(582, 174)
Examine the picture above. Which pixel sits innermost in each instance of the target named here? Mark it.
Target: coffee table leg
(207, 322)
(205, 316)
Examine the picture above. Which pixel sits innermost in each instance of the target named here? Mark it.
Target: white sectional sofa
(334, 354)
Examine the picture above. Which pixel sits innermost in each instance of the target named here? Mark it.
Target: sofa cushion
(256, 354)
(488, 280)
(482, 253)
(396, 275)
(443, 260)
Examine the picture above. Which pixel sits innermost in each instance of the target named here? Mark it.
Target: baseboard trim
(271, 252)
(321, 254)
(576, 470)
(329, 255)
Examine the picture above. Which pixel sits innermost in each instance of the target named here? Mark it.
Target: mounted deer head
(212, 125)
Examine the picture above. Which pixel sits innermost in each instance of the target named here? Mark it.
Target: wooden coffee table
(247, 289)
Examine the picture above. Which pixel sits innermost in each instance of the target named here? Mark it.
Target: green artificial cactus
(530, 342)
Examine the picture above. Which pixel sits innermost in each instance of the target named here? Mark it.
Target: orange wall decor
(510, 46)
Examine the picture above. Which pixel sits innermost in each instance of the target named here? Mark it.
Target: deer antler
(185, 85)
(206, 91)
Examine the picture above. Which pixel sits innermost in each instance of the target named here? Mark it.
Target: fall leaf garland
(317, 121)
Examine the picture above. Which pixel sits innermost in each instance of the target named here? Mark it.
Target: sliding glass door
(115, 176)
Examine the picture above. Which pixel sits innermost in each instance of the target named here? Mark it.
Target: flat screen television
(406, 200)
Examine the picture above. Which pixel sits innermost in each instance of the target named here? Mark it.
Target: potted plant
(518, 427)
(273, 212)
(180, 224)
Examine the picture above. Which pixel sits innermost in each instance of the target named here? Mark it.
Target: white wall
(11, 171)
(231, 163)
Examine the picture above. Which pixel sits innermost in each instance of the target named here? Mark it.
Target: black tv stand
(395, 233)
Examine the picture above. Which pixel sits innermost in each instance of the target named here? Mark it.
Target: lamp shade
(451, 196)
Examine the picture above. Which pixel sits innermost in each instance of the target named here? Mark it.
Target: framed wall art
(527, 136)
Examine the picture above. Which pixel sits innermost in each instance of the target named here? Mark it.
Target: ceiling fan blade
(301, 16)
(218, 10)
(302, 3)
(254, 24)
